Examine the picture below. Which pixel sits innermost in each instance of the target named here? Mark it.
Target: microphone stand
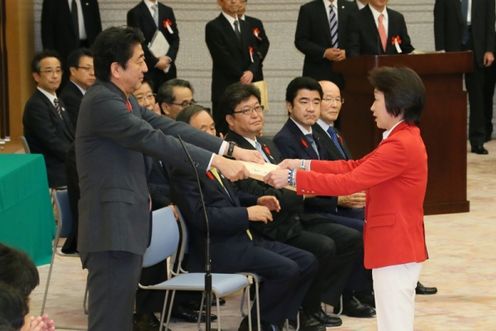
(208, 263)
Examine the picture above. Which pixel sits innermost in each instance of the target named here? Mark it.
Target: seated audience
(174, 95)
(146, 98)
(336, 247)
(286, 271)
(20, 273)
(82, 76)
(47, 126)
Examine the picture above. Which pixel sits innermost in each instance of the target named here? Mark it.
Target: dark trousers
(489, 84)
(151, 301)
(336, 248)
(112, 281)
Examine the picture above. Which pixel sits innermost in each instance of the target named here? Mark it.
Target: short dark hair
(35, 62)
(13, 308)
(404, 91)
(236, 93)
(114, 44)
(302, 83)
(166, 91)
(76, 55)
(17, 270)
(188, 112)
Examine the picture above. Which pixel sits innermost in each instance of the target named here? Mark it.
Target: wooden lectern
(443, 122)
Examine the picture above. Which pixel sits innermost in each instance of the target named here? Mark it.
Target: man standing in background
(469, 25)
(151, 16)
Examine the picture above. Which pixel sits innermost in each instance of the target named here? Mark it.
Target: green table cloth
(26, 215)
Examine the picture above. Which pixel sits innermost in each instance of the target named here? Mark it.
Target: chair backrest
(25, 145)
(65, 214)
(183, 249)
(165, 237)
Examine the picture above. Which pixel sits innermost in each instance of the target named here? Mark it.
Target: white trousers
(394, 293)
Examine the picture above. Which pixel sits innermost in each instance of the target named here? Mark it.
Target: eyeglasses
(185, 103)
(88, 68)
(51, 71)
(149, 96)
(250, 110)
(331, 100)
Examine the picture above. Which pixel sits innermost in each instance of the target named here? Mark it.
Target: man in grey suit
(114, 138)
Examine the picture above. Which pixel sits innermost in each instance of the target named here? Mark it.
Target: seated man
(47, 126)
(286, 271)
(335, 246)
(174, 95)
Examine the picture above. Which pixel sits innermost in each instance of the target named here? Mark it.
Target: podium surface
(443, 122)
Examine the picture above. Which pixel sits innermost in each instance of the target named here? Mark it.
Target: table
(26, 215)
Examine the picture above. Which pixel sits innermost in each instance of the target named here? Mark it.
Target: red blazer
(394, 176)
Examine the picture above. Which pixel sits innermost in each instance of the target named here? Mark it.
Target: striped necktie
(333, 24)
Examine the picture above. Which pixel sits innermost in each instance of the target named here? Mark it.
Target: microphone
(208, 264)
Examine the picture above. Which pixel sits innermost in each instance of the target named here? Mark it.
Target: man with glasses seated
(174, 95)
(82, 76)
(146, 98)
(47, 126)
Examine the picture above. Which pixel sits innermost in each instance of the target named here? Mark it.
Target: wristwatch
(230, 149)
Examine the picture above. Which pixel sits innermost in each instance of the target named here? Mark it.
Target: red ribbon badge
(251, 50)
(256, 33)
(304, 142)
(167, 23)
(266, 149)
(396, 40)
(210, 175)
(129, 106)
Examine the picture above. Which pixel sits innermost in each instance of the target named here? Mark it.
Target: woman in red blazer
(394, 176)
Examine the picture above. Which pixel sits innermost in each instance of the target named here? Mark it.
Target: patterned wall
(279, 16)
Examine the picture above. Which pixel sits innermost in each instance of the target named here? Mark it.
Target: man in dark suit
(151, 16)
(82, 76)
(238, 48)
(377, 30)
(174, 95)
(292, 225)
(457, 28)
(65, 27)
(114, 222)
(286, 271)
(47, 126)
(321, 35)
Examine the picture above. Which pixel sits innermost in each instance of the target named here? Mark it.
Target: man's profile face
(129, 79)
(331, 102)
(248, 118)
(305, 109)
(84, 73)
(183, 97)
(50, 74)
(203, 122)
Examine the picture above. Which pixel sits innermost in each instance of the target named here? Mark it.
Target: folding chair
(163, 245)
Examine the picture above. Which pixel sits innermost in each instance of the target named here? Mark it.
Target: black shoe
(243, 326)
(145, 322)
(326, 319)
(366, 298)
(188, 315)
(69, 247)
(479, 149)
(354, 308)
(308, 322)
(421, 289)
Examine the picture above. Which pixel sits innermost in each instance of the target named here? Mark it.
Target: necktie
(237, 30)
(466, 35)
(58, 107)
(219, 180)
(333, 24)
(335, 140)
(309, 137)
(258, 146)
(75, 19)
(382, 31)
(155, 13)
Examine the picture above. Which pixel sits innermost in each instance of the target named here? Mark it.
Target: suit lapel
(374, 32)
(322, 17)
(230, 32)
(302, 141)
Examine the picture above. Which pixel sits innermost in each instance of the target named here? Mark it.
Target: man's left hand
(270, 202)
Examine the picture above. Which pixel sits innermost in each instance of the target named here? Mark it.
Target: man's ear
(115, 70)
(165, 109)
(230, 120)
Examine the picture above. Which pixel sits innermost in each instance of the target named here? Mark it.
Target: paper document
(159, 46)
(258, 171)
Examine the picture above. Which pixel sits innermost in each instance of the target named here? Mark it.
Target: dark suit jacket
(49, 135)
(159, 185)
(313, 36)
(141, 18)
(328, 146)
(231, 57)
(364, 36)
(294, 145)
(71, 96)
(449, 27)
(111, 144)
(57, 28)
(257, 30)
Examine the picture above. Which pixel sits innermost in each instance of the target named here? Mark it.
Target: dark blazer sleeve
(172, 38)
(398, 21)
(304, 38)
(262, 42)
(48, 33)
(439, 25)
(71, 97)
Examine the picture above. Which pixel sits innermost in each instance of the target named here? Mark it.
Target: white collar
(79, 87)
(376, 14)
(149, 4)
(302, 129)
(49, 95)
(386, 134)
(323, 124)
(229, 18)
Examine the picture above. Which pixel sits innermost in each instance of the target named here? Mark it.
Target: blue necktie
(258, 146)
(309, 137)
(335, 140)
(333, 25)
